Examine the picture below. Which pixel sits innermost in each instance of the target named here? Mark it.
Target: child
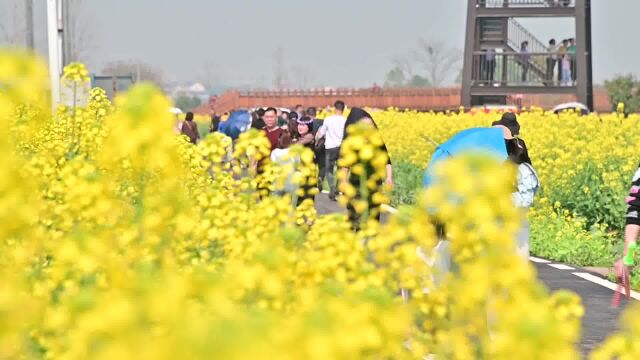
(528, 184)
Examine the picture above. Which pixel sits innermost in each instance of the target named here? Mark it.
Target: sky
(322, 42)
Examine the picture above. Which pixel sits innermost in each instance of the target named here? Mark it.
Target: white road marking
(606, 283)
(583, 275)
(561, 266)
(538, 260)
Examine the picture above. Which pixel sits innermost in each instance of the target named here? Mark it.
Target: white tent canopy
(571, 105)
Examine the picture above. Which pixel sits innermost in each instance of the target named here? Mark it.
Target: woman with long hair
(356, 116)
(304, 136)
(527, 185)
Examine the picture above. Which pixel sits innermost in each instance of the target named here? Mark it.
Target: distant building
(112, 84)
(196, 90)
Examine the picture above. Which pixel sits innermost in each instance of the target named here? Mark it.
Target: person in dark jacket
(215, 123)
(632, 225)
(258, 119)
(190, 128)
(319, 150)
(358, 115)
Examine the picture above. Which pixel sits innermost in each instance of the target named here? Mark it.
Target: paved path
(599, 320)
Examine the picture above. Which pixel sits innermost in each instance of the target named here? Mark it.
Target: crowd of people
(301, 126)
(324, 138)
(560, 63)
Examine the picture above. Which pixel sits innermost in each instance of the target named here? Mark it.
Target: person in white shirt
(332, 131)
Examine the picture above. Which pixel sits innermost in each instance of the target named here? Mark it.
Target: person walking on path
(283, 118)
(304, 133)
(305, 138)
(215, 123)
(332, 131)
(281, 157)
(190, 128)
(271, 128)
(258, 119)
(631, 229)
(300, 111)
(292, 124)
(319, 149)
(358, 115)
(527, 186)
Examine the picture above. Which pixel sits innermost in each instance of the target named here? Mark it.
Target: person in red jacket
(271, 128)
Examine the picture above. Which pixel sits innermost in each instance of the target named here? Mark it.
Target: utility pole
(54, 37)
(28, 7)
(280, 73)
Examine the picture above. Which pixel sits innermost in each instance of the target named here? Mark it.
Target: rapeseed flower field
(121, 240)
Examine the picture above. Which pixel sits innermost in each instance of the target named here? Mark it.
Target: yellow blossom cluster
(76, 73)
(584, 162)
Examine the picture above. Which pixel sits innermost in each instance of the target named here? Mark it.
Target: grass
(407, 180)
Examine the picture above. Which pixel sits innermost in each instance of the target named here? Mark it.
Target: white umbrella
(571, 105)
(175, 111)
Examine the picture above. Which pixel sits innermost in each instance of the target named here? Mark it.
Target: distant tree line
(431, 64)
(624, 89)
(187, 103)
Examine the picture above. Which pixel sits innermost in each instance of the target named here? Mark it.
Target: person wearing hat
(509, 124)
(527, 182)
(511, 129)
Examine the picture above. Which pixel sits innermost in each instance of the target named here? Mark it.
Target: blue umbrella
(237, 123)
(476, 140)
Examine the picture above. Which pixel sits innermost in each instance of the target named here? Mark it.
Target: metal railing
(518, 69)
(347, 92)
(525, 3)
(517, 34)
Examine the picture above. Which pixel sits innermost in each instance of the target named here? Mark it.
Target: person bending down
(632, 226)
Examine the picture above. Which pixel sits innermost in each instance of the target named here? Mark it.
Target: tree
(12, 31)
(624, 89)
(187, 103)
(395, 78)
(437, 65)
(78, 38)
(419, 82)
(140, 71)
(439, 61)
